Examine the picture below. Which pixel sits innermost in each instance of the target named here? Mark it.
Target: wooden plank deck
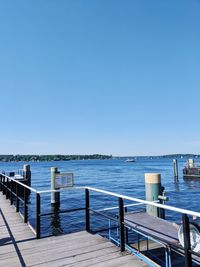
(153, 226)
(18, 246)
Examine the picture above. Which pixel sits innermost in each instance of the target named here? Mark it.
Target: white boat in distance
(130, 160)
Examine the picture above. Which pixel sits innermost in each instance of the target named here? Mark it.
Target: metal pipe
(61, 211)
(126, 229)
(17, 199)
(38, 216)
(0, 182)
(87, 210)
(187, 246)
(121, 224)
(25, 205)
(6, 188)
(11, 192)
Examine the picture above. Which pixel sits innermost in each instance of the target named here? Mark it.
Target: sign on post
(64, 180)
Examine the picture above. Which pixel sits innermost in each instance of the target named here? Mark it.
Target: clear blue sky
(117, 77)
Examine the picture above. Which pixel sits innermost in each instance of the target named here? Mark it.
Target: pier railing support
(11, 192)
(121, 224)
(87, 210)
(187, 245)
(0, 182)
(4, 189)
(25, 205)
(126, 229)
(17, 197)
(38, 211)
(7, 191)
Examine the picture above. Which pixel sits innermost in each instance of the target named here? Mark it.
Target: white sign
(64, 180)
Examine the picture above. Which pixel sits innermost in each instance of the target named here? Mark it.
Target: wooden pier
(22, 247)
(19, 247)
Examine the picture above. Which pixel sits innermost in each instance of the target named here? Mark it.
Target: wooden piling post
(55, 196)
(153, 190)
(175, 165)
(190, 163)
(27, 173)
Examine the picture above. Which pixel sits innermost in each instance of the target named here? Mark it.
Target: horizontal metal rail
(152, 203)
(163, 206)
(61, 211)
(104, 215)
(125, 206)
(16, 181)
(56, 190)
(167, 207)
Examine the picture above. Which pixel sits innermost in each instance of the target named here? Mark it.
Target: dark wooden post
(0, 182)
(38, 216)
(126, 229)
(17, 199)
(25, 205)
(3, 184)
(121, 224)
(87, 210)
(187, 246)
(7, 191)
(11, 192)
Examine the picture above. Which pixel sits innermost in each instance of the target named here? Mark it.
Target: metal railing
(121, 207)
(10, 187)
(18, 191)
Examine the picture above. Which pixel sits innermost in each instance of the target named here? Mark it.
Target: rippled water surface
(113, 175)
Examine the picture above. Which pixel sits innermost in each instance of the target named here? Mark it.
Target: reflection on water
(192, 183)
(176, 185)
(55, 221)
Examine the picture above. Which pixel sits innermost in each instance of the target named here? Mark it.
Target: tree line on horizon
(58, 157)
(8, 158)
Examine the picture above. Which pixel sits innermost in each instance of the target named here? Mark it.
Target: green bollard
(153, 190)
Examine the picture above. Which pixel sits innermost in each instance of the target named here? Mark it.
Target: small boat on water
(130, 160)
(190, 170)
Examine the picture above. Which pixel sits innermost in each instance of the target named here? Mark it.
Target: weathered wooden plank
(133, 264)
(118, 262)
(62, 248)
(86, 258)
(11, 263)
(97, 259)
(61, 254)
(153, 226)
(57, 240)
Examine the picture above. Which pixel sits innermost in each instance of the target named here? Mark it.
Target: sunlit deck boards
(18, 246)
(153, 226)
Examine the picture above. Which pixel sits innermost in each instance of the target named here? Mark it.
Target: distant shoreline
(58, 157)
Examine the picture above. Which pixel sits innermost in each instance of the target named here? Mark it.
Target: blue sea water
(112, 175)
